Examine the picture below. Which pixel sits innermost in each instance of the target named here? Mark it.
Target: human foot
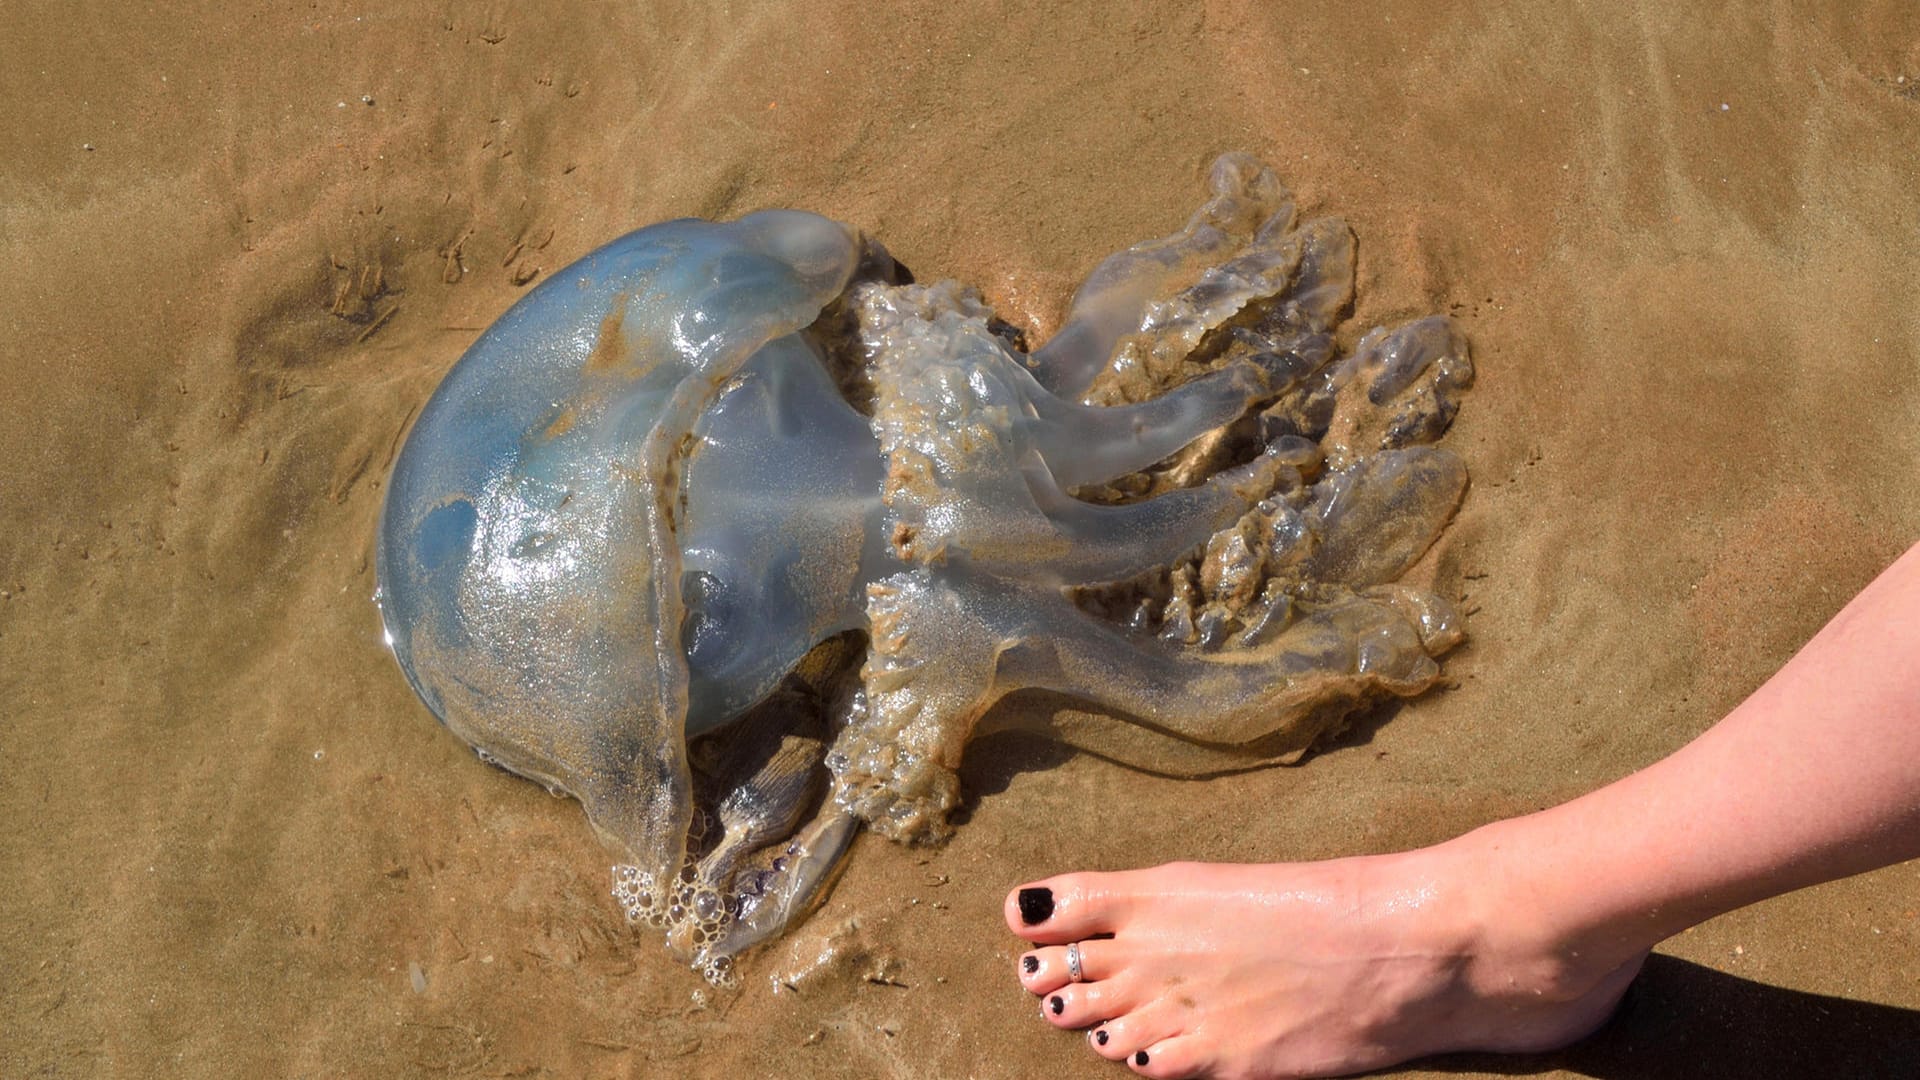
(1312, 969)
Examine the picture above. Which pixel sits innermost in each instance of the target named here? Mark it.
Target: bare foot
(1311, 969)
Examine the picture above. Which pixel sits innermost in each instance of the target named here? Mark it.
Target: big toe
(1070, 907)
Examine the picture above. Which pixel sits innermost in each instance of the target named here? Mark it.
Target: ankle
(1521, 939)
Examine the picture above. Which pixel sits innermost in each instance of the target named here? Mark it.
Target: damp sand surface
(243, 243)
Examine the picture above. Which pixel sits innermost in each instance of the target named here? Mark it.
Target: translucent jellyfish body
(732, 535)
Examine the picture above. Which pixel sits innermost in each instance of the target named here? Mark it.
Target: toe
(1140, 1029)
(1046, 969)
(1172, 1059)
(1103, 1043)
(1079, 1005)
(1066, 908)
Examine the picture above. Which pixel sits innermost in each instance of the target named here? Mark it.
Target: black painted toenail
(1058, 1004)
(1036, 905)
(1100, 1036)
(1140, 1058)
(1030, 964)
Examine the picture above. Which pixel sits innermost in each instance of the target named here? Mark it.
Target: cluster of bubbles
(633, 890)
(694, 914)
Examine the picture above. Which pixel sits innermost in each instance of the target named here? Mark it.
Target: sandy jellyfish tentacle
(1092, 444)
(1247, 199)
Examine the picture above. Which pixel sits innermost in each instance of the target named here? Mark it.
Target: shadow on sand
(1682, 1021)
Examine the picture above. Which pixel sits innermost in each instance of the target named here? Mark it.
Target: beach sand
(246, 241)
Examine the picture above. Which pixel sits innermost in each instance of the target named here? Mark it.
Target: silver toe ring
(1074, 973)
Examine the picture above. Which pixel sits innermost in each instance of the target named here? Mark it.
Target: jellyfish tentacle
(1278, 697)
(1375, 519)
(947, 644)
(766, 866)
(1322, 287)
(1247, 201)
(957, 419)
(781, 893)
(1095, 542)
(1092, 444)
(928, 678)
(761, 776)
(1401, 387)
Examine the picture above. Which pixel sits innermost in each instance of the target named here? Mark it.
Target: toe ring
(1074, 972)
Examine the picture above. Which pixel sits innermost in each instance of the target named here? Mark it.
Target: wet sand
(244, 244)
